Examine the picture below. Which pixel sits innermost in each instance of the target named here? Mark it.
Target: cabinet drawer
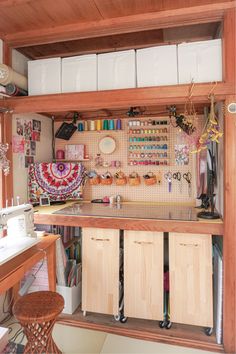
(190, 260)
(143, 274)
(100, 270)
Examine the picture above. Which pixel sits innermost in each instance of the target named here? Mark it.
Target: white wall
(43, 153)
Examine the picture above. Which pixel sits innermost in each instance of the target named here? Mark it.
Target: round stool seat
(37, 313)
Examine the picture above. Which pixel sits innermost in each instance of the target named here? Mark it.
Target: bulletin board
(177, 143)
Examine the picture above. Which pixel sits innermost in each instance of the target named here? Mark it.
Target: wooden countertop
(44, 215)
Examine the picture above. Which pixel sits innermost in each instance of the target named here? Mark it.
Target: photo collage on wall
(25, 141)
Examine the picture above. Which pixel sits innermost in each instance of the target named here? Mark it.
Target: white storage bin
(44, 76)
(116, 70)
(200, 61)
(72, 297)
(157, 66)
(79, 73)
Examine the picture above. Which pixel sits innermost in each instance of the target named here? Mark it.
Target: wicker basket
(120, 181)
(94, 181)
(134, 180)
(151, 180)
(106, 181)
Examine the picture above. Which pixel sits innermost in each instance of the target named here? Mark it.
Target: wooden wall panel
(7, 181)
(229, 244)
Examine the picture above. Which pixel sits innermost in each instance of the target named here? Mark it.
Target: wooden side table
(37, 313)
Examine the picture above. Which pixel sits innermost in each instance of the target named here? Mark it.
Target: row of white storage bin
(156, 66)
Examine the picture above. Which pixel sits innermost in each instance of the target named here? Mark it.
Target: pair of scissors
(177, 176)
(188, 176)
(168, 176)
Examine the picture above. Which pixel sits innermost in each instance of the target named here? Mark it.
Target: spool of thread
(80, 127)
(92, 125)
(13, 90)
(118, 124)
(99, 124)
(60, 154)
(8, 75)
(111, 124)
(105, 124)
(85, 125)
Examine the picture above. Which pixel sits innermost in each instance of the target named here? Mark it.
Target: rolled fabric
(13, 90)
(8, 75)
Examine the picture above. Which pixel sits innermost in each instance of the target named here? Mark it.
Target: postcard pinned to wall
(181, 154)
(33, 148)
(28, 130)
(18, 144)
(19, 126)
(28, 160)
(35, 136)
(27, 147)
(37, 125)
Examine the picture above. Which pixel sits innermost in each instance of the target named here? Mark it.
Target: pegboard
(140, 193)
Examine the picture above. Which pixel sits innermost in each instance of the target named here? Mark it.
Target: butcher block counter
(128, 216)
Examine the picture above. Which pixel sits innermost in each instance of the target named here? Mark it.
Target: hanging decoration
(4, 162)
(211, 131)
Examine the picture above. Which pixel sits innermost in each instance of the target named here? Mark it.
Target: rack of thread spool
(148, 142)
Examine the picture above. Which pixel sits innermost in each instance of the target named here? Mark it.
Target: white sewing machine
(19, 223)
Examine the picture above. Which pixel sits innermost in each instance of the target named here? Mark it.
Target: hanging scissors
(177, 176)
(188, 176)
(168, 176)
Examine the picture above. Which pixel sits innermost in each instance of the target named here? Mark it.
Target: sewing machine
(18, 221)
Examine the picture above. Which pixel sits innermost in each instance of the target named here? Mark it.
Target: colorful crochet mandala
(59, 181)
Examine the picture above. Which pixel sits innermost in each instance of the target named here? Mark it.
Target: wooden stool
(37, 313)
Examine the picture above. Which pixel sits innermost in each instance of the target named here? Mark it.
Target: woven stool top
(39, 306)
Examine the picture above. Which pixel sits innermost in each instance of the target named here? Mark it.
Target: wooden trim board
(214, 228)
(115, 99)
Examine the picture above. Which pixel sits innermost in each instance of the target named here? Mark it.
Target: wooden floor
(187, 336)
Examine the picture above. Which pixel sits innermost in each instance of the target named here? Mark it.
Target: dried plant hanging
(4, 162)
(211, 131)
(186, 122)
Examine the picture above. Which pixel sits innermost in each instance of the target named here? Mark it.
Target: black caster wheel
(208, 331)
(117, 318)
(162, 324)
(123, 319)
(168, 325)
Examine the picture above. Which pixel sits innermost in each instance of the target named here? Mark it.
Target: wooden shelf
(101, 131)
(65, 160)
(116, 99)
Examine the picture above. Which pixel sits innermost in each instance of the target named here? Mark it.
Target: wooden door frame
(6, 183)
(229, 239)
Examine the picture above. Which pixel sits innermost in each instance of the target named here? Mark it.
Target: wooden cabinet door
(190, 262)
(143, 274)
(100, 270)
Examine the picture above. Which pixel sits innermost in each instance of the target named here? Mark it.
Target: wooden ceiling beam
(115, 99)
(119, 25)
